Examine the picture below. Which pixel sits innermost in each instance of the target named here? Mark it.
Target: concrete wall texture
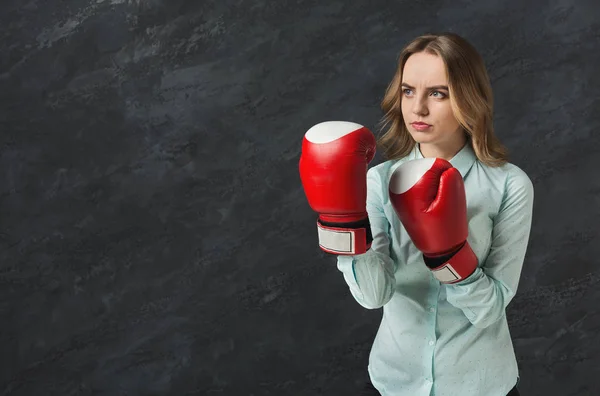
(154, 235)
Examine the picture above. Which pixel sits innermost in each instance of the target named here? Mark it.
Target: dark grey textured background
(154, 236)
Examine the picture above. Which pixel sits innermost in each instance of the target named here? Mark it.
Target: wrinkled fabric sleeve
(484, 296)
(370, 276)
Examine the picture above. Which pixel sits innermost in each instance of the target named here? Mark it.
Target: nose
(420, 106)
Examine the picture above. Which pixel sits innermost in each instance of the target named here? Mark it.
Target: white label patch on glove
(446, 274)
(336, 241)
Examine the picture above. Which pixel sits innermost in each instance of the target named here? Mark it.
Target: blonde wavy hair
(471, 99)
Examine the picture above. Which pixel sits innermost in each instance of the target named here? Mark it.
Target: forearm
(370, 277)
(482, 299)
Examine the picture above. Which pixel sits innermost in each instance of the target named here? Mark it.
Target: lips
(421, 126)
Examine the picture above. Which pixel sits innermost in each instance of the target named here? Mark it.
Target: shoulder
(514, 182)
(508, 175)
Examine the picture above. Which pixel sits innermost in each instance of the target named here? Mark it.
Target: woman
(437, 338)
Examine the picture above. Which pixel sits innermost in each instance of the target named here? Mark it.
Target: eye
(441, 95)
(406, 91)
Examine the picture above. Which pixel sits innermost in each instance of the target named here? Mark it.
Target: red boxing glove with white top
(428, 195)
(333, 171)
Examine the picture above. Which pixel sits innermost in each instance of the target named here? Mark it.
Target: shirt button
(431, 342)
(432, 309)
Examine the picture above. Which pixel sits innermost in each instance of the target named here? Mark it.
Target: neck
(446, 150)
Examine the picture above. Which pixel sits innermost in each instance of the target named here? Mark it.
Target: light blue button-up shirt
(436, 339)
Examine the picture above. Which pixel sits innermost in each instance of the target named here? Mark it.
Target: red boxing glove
(333, 170)
(428, 196)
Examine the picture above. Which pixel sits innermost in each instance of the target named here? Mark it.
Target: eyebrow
(445, 87)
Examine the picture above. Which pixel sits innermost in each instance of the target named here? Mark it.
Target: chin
(422, 137)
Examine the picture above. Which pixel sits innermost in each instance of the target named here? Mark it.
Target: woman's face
(425, 100)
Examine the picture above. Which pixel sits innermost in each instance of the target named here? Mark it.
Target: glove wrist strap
(345, 238)
(453, 267)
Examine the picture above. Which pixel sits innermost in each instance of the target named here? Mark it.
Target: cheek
(404, 107)
(446, 114)
(406, 112)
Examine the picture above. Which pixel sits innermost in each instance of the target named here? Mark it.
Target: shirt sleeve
(484, 296)
(370, 276)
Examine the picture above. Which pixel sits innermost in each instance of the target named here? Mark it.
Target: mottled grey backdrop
(154, 235)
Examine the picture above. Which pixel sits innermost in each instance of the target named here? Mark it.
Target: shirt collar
(463, 160)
